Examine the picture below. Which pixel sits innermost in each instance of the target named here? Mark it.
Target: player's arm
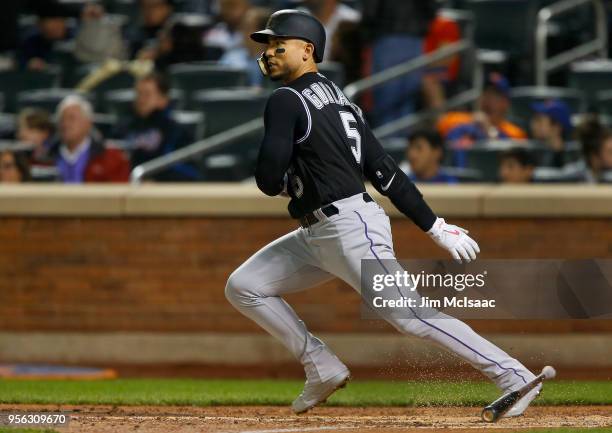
(281, 117)
(388, 179)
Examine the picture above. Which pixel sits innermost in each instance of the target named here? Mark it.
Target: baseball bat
(111, 67)
(499, 407)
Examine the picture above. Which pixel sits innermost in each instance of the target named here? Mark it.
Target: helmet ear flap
(262, 61)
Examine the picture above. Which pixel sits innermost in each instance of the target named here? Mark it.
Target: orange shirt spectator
(443, 31)
(462, 129)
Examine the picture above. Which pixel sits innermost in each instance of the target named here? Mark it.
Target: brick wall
(168, 274)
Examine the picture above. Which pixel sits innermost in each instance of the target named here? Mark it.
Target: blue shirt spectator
(551, 124)
(152, 132)
(245, 56)
(36, 49)
(424, 156)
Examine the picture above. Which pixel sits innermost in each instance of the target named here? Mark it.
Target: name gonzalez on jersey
(321, 94)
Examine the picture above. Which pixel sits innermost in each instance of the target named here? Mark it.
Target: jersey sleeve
(283, 118)
(388, 179)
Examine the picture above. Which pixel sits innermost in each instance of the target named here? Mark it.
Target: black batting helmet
(290, 23)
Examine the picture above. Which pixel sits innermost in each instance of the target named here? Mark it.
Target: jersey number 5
(352, 133)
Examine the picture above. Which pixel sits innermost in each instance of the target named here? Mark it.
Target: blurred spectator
(346, 48)
(36, 49)
(198, 6)
(153, 16)
(551, 124)
(394, 31)
(34, 126)
(9, 30)
(99, 37)
(226, 34)
(599, 158)
(331, 13)
(81, 154)
(594, 139)
(178, 41)
(424, 156)
(245, 56)
(462, 129)
(516, 166)
(439, 79)
(151, 132)
(14, 167)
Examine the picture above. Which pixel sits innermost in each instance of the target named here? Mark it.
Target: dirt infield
(267, 419)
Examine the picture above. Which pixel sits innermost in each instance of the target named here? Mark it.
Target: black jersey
(327, 131)
(319, 147)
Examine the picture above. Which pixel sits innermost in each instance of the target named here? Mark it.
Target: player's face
(285, 56)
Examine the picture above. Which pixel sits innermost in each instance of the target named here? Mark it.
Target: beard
(280, 73)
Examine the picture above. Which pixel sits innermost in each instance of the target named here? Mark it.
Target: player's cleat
(520, 406)
(316, 393)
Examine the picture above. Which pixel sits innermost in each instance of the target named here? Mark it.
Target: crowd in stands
(363, 37)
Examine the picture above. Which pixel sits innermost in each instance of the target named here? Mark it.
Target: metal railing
(465, 97)
(220, 140)
(360, 86)
(544, 65)
(198, 148)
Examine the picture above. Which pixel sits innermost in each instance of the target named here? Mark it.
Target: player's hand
(455, 240)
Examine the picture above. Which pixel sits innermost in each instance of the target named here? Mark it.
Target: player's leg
(255, 289)
(366, 234)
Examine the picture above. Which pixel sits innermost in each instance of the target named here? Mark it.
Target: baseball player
(317, 149)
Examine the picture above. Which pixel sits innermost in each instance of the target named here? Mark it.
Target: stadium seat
(591, 77)
(464, 175)
(523, 97)
(105, 123)
(604, 119)
(62, 55)
(226, 168)
(13, 81)
(573, 152)
(7, 125)
(191, 77)
(47, 99)
(484, 156)
(192, 122)
(122, 80)
(484, 160)
(604, 101)
(120, 102)
(571, 173)
(44, 174)
(493, 20)
(129, 8)
(224, 109)
(333, 71)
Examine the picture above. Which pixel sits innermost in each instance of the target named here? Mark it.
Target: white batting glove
(455, 240)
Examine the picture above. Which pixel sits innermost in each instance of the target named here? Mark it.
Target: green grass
(568, 430)
(199, 392)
